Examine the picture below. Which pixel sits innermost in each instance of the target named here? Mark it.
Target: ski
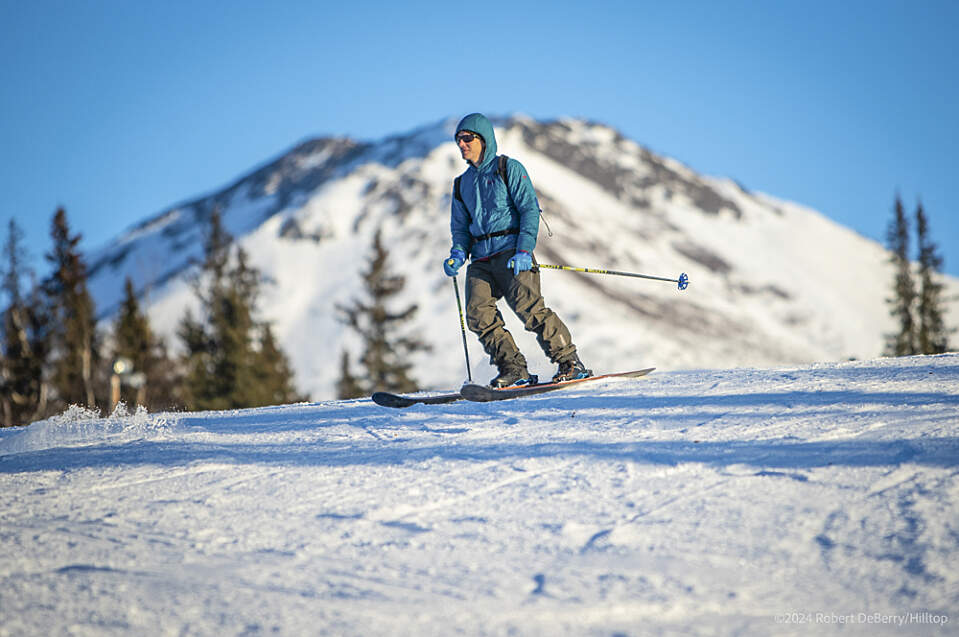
(483, 393)
(386, 399)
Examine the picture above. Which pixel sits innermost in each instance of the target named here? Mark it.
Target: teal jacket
(489, 208)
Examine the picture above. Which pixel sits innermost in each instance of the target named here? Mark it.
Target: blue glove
(521, 262)
(453, 264)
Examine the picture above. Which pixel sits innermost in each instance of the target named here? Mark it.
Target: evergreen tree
(348, 386)
(232, 360)
(903, 341)
(132, 336)
(932, 334)
(197, 362)
(386, 355)
(275, 383)
(204, 385)
(23, 392)
(134, 340)
(73, 333)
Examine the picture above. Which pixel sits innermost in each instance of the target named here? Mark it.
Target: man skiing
(494, 221)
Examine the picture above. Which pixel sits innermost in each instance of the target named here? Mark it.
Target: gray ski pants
(489, 281)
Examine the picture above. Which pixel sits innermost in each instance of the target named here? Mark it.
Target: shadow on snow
(747, 414)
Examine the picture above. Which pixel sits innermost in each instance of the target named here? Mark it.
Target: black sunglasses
(466, 138)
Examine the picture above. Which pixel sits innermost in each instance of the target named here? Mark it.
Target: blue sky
(119, 109)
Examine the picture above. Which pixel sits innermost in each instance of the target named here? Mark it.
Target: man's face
(471, 146)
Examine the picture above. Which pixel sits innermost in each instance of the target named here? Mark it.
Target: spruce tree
(903, 341)
(275, 379)
(74, 347)
(932, 334)
(132, 336)
(206, 386)
(23, 392)
(134, 340)
(232, 360)
(348, 386)
(387, 351)
(197, 362)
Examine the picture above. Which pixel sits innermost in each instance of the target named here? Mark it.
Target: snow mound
(79, 426)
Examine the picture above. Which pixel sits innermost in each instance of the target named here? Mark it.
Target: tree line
(53, 355)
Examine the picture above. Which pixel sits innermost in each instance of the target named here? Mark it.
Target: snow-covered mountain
(771, 282)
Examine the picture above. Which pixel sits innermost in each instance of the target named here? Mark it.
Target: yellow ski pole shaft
(683, 280)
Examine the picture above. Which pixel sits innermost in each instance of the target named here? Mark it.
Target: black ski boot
(570, 369)
(513, 376)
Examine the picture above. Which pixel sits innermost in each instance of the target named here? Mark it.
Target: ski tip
(479, 393)
(386, 399)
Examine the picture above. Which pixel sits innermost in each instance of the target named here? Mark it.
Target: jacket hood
(477, 123)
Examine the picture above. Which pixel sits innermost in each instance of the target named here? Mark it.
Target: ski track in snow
(699, 502)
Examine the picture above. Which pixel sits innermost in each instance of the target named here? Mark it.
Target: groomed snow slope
(694, 502)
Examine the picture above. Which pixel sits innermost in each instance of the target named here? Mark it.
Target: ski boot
(571, 369)
(513, 376)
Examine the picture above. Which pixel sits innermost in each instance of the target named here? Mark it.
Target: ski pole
(459, 306)
(683, 279)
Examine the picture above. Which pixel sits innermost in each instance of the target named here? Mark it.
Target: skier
(494, 221)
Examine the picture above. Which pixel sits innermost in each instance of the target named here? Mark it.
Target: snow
(814, 499)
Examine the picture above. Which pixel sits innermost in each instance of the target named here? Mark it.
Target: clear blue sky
(119, 109)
